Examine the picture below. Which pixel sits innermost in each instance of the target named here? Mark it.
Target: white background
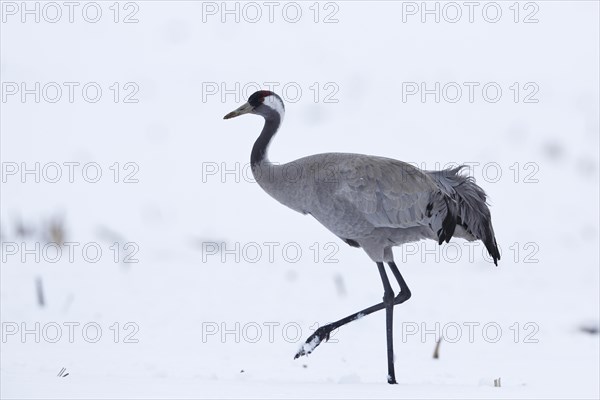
(545, 217)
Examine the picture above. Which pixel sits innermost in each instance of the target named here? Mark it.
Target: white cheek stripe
(276, 104)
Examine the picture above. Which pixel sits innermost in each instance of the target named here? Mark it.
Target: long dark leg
(323, 332)
(388, 301)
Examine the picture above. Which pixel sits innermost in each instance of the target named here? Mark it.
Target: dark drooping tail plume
(442, 209)
(473, 214)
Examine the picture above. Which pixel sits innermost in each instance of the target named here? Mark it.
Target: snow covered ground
(186, 280)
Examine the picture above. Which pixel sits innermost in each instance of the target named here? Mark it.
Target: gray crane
(370, 202)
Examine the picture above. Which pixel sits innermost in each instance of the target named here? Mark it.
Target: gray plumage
(378, 203)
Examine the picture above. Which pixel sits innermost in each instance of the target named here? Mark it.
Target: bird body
(370, 202)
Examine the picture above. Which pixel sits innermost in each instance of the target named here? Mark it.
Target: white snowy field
(179, 278)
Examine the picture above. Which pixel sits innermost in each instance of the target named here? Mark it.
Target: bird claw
(313, 341)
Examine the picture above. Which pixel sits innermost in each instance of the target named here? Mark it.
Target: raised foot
(314, 340)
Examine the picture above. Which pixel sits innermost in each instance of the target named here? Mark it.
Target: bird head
(263, 103)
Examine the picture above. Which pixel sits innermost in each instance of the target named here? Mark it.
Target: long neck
(261, 146)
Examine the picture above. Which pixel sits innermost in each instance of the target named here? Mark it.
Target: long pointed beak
(244, 109)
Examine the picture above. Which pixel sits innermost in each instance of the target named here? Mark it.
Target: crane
(369, 202)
